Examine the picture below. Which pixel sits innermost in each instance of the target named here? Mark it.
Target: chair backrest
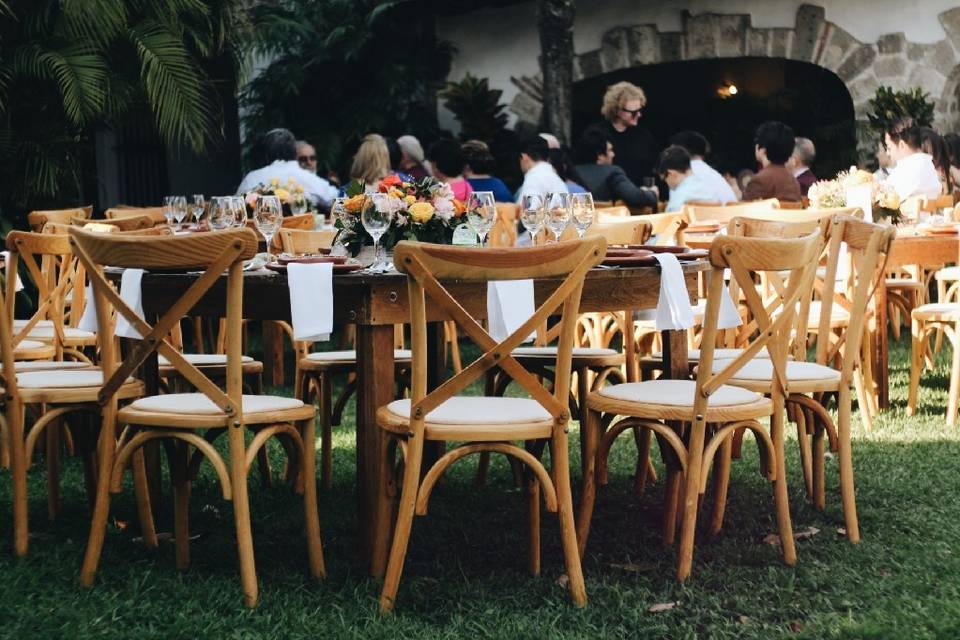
(298, 242)
(37, 219)
(617, 211)
(504, 231)
(154, 213)
(912, 207)
(723, 214)
(745, 257)
(633, 230)
(427, 267)
(213, 252)
(51, 266)
(804, 215)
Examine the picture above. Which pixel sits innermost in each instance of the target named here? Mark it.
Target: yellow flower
(299, 189)
(396, 193)
(291, 180)
(421, 212)
(283, 194)
(274, 182)
(355, 203)
(411, 199)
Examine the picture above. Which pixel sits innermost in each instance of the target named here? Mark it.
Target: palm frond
(97, 22)
(80, 74)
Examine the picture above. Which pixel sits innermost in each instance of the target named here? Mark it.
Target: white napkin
(132, 294)
(509, 304)
(673, 308)
(88, 321)
(311, 300)
(6, 261)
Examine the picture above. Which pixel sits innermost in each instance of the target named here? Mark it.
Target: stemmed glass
(179, 210)
(338, 211)
(531, 214)
(238, 211)
(168, 206)
(268, 217)
(197, 207)
(298, 204)
(376, 217)
(481, 213)
(219, 217)
(558, 213)
(581, 204)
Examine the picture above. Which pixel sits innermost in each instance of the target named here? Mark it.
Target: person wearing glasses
(633, 147)
(280, 147)
(307, 156)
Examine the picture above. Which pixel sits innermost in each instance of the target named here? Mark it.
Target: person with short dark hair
(280, 146)
(914, 173)
(773, 145)
(804, 154)
(952, 140)
(594, 156)
(698, 148)
(562, 164)
(479, 168)
(673, 167)
(446, 159)
(539, 176)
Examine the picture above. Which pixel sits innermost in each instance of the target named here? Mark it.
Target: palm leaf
(80, 74)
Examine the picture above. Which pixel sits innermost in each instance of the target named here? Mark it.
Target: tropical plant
(478, 108)
(69, 66)
(887, 105)
(339, 69)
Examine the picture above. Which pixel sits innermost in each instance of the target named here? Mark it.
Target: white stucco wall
(500, 43)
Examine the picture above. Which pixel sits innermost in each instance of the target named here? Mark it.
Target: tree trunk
(555, 24)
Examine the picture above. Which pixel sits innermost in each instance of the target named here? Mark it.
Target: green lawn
(465, 572)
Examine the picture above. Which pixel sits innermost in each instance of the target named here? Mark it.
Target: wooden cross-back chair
(50, 390)
(59, 280)
(487, 423)
(694, 419)
(38, 219)
(301, 241)
(189, 420)
(911, 208)
(504, 231)
(862, 245)
(154, 213)
(723, 214)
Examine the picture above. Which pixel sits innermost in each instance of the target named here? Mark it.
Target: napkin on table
(130, 292)
(311, 300)
(673, 307)
(510, 303)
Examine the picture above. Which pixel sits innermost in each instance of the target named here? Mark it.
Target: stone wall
(863, 66)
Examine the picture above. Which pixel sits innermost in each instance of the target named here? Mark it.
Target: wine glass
(197, 207)
(238, 211)
(268, 217)
(557, 213)
(298, 204)
(168, 209)
(338, 211)
(481, 213)
(179, 210)
(219, 218)
(531, 214)
(376, 217)
(581, 205)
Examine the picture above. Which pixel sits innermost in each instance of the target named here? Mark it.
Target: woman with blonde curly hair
(371, 163)
(633, 147)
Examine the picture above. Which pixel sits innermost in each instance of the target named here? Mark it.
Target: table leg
(272, 353)
(375, 372)
(881, 371)
(675, 364)
(436, 375)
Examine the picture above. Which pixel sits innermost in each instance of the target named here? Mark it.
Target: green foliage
(342, 68)
(887, 105)
(69, 66)
(478, 108)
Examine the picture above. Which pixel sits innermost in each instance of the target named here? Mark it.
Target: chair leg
(560, 460)
(916, 364)
(845, 452)
(52, 435)
(141, 490)
(181, 503)
(588, 492)
(18, 469)
(671, 502)
(954, 378)
(310, 509)
(583, 390)
(401, 531)
(532, 491)
(98, 522)
(721, 484)
(642, 438)
(326, 431)
(483, 466)
(780, 495)
(803, 442)
(691, 494)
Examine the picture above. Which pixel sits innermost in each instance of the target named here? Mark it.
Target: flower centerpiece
(291, 196)
(846, 188)
(423, 210)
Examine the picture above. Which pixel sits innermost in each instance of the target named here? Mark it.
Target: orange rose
(355, 204)
(392, 180)
(459, 207)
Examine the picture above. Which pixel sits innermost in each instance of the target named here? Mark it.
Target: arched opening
(687, 95)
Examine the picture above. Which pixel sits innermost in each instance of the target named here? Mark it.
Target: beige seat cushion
(203, 359)
(197, 403)
(937, 311)
(762, 369)
(948, 274)
(468, 410)
(676, 393)
(718, 354)
(48, 365)
(351, 356)
(20, 324)
(61, 379)
(46, 333)
(837, 314)
(29, 344)
(552, 351)
(904, 283)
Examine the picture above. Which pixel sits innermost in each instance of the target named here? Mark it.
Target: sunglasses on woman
(632, 112)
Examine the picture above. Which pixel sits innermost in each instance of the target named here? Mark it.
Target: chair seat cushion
(718, 354)
(676, 393)
(197, 403)
(349, 355)
(20, 324)
(203, 359)
(948, 274)
(551, 351)
(25, 345)
(61, 379)
(469, 410)
(762, 369)
(938, 311)
(48, 365)
(47, 333)
(904, 283)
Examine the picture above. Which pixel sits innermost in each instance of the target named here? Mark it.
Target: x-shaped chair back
(211, 252)
(52, 267)
(428, 266)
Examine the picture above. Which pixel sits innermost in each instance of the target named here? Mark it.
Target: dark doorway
(687, 95)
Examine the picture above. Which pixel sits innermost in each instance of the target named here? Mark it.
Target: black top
(609, 182)
(634, 150)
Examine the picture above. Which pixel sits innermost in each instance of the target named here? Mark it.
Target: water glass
(268, 217)
(376, 216)
(238, 211)
(558, 213)
(219, 213)
(168, 205)
(179, 210)
(338, 211)
(298, 204)
(197, 207)
(581, 206)
(531, 214)
(481, 213)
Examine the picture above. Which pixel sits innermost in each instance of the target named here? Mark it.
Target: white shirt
(719, 188)
(915, 175)
(317, 190)
(541, 178)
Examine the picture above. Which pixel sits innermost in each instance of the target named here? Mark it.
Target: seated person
(773, 146)
(539, 176)
(913, 173)
(605, 180)
(804, 153)
(281, 151)
(478, 169)
(673, 167)
(560, 160)
(447, 161)
(698, 148)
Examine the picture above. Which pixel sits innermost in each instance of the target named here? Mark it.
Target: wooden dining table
(374, 303)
